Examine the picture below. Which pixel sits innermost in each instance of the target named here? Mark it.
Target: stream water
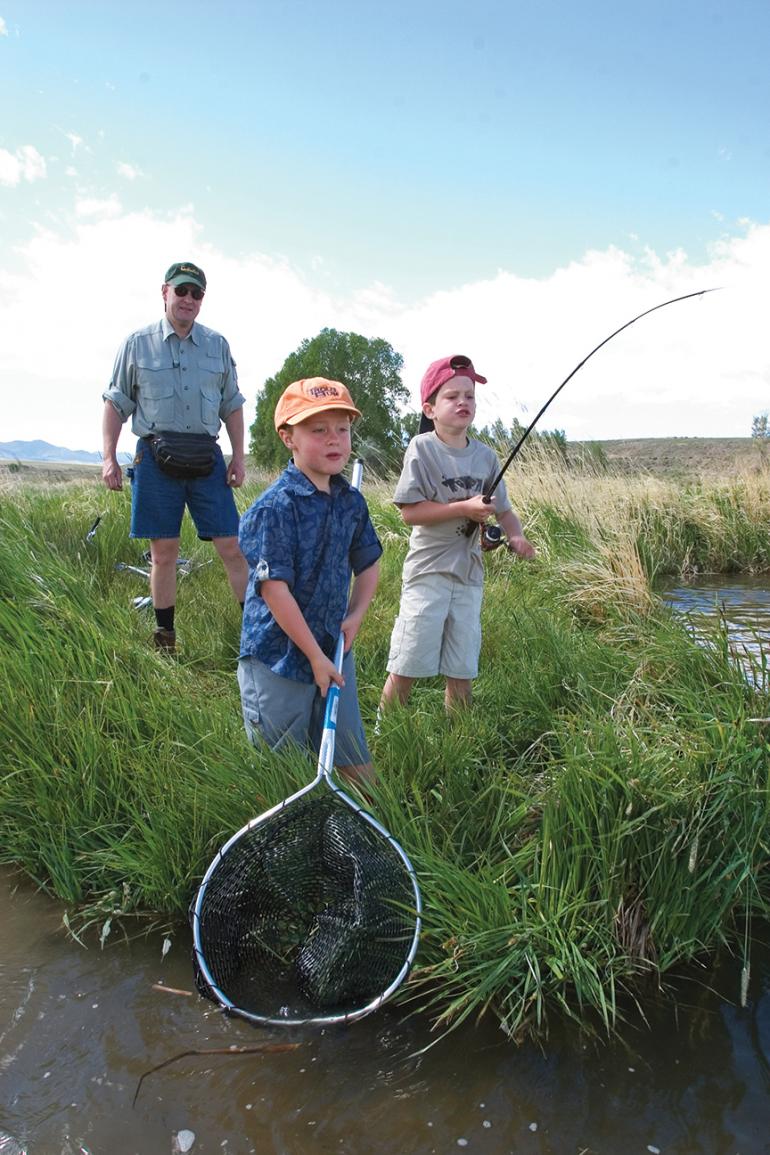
(81, 1031)
(742, 604)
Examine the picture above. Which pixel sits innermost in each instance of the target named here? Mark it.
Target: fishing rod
(493, 533)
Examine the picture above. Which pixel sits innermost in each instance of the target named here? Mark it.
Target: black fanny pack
(184, 455)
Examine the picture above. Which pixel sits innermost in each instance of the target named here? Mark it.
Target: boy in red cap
(441, 487)
(301, 538)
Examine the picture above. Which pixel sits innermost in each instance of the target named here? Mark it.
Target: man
(178, 376)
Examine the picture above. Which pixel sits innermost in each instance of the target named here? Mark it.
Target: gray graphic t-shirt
(433, 471)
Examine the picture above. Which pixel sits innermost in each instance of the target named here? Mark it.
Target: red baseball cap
(444, 370)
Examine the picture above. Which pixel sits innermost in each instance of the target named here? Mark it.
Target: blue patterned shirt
(311, 540)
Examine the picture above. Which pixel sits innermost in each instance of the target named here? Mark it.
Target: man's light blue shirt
(162, 382)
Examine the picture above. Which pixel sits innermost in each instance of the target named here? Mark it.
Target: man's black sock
(165, 618)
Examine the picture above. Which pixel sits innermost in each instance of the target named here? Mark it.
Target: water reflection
(79, 1028)
(742, 605)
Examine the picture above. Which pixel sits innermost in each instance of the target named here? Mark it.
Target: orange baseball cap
(311, 395)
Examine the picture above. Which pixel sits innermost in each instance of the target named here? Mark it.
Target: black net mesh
(309, 914)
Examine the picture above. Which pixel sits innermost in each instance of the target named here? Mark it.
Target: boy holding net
(301, 538)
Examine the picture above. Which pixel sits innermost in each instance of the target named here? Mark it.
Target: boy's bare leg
(457, 694)
(357, 774)
(396, 689)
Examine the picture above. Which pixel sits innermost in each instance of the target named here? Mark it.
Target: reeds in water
(598, 817)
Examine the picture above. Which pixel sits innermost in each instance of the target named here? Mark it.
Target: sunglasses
(183, 290)
(460, 362)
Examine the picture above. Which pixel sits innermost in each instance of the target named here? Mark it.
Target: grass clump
(599, 816)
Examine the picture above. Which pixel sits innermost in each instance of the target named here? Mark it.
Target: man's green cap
(185, 273)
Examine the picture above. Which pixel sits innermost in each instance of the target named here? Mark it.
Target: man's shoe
(164, 640)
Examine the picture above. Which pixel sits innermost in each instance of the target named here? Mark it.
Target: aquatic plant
(599, 816)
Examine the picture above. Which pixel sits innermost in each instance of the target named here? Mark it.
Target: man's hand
(236, 472)
(112, 474)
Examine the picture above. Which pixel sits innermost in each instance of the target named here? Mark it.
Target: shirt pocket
(157, 380)
(211, 371)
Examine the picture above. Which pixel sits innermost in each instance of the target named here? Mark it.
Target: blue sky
(504, 179)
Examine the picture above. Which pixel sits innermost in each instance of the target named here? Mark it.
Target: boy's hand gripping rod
(493, 533)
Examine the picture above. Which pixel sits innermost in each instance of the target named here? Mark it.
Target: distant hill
(662, 456)
(686, 455)
(44, 451)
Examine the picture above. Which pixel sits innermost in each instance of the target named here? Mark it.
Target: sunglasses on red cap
(183, 290)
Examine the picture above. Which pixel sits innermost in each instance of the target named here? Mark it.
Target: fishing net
(309, 914)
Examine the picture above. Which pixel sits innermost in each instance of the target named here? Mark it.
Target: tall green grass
(598, 817)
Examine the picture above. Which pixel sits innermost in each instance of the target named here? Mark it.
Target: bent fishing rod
(496, 539)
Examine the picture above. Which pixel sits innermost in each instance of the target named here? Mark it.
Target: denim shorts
(281, 712)
(158, 501)
(438, 629)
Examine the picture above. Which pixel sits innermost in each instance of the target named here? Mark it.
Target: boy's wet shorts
(282, 712)
(158, 501)
(438, 629)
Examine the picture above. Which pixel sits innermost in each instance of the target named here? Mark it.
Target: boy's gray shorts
(280, 712)
(438, 629)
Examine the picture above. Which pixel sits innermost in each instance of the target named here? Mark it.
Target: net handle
(329, 734)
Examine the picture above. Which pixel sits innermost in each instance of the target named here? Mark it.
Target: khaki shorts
(438, 629)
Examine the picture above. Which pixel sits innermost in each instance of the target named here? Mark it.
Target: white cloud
(98, 206)
(129, 171)
(77, 142)
(700, 367)
(26, 164)
(3, 27)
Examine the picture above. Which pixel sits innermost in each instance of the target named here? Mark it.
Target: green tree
(370, 368)
(410, 426)
(759, 426)
(503, 439)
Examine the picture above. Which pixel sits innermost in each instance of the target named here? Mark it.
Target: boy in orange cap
(301, 538)
(442, 485)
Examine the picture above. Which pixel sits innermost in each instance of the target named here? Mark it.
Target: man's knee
(227, 548)
(164, 550)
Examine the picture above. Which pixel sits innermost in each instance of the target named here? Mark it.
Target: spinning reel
(491, 538)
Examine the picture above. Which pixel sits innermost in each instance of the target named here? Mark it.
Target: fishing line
(472, 525)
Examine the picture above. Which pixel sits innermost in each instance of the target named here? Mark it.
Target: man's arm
(283, 606)
(236, 470)
(111, 427)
